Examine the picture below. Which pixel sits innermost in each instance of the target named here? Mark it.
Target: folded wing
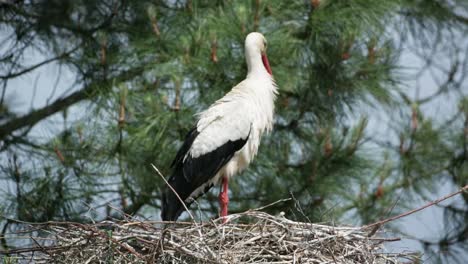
(220, 132)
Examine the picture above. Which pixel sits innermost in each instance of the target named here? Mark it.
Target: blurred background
(371, 119)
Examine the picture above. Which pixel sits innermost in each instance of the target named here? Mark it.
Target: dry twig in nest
(249, 237)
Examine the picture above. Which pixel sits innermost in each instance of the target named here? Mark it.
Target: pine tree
(143, 69)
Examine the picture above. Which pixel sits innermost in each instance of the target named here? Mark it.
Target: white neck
(253, 57)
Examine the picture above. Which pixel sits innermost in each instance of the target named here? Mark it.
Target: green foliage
(9, 260)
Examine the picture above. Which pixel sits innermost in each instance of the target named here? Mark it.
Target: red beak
(266, 63)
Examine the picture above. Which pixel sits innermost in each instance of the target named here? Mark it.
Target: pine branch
(34, 117)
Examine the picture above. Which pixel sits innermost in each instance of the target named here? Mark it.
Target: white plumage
(246, 111)
(227, 134)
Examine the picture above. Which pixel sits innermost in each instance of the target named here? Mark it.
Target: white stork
(226, 137)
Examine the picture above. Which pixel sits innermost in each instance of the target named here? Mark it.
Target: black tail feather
(171, 208)
(171, 205)
(191, 173)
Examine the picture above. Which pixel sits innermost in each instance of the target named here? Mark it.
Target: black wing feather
(191, 173)
(191, 135)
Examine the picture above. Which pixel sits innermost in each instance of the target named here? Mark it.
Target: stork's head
(255, 43)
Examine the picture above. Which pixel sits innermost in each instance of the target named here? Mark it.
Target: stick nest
(249, 237)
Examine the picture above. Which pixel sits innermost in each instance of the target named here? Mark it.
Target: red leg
(224, 199)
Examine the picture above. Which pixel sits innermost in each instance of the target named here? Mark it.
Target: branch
(16, 74)
(380, 223)
(88, 92)
(35, 116)
(460, 18)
